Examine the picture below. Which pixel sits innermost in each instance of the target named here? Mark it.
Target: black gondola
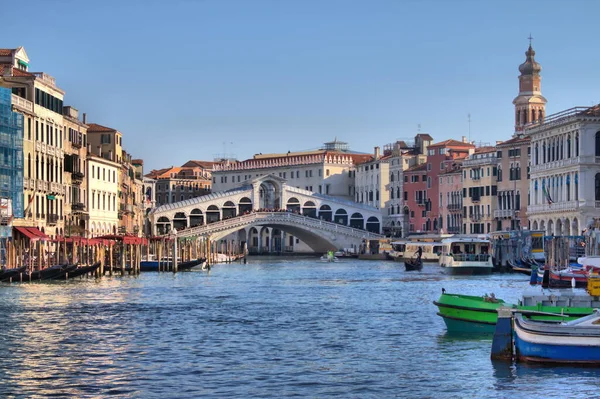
(60, 274)
(44, 273)
(82, 270)
(7, 274)
(413, 264)
(190, 264)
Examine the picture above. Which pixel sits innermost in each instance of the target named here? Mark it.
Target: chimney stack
(110, 155)
(84, 118)
(100, 151)
(464, 138)
(377, 153)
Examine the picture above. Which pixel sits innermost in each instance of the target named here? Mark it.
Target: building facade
(179, 183)
(103, 194)
(513, 184)
(479, 190)
(451, 198)
(565, 171)
(415, 199)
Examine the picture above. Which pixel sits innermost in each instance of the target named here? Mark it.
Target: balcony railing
(453, 230)
(504, 213)
(454, 207)
(78, 206)
(75, 145)
(475, 217)
(77, 176)
(421, 202)
(21, 103)
(555, 207)
(52, 219)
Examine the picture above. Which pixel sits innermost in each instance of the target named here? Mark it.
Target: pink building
(450, 198)
(438, 157)
(415, 198)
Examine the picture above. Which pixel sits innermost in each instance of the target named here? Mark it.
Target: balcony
(563, 163)
(556, 207)
(504, 213)
(41, 185)
(475, 217)
(454, 207)
(453, 230)
(77, 177)
(476, 199)
(77, 207)
(75, 145)
(476, 177)
(52, 219)
(22, 104)
(126, 208)
(421, 202)
(57, 188)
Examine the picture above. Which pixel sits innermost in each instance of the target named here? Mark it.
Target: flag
(547, 194)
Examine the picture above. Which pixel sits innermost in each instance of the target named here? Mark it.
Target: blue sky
(185, 79)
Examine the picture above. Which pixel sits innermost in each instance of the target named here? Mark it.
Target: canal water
(272, 328)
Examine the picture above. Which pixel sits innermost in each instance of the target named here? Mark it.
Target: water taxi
(466, 255)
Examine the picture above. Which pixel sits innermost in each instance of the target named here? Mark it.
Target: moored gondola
(8, 274)
(83, 270)
(61, 274)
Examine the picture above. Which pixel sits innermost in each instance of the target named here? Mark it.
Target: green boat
(478, 314)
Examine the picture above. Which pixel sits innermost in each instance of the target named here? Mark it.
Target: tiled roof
(515, 140)
(94, 127)
(416, 168)
(486, 149)
(15, 71)
(451, 142)
(4, 52)
(202, 164)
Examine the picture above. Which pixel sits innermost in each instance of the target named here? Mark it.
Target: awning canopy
(32, 233)
(125, 239)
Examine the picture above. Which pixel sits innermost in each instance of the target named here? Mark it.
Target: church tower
(530, 105)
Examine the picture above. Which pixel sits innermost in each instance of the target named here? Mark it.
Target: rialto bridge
(269, 216)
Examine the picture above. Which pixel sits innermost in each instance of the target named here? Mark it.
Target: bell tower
(530, 105)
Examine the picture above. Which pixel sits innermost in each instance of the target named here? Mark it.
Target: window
(327, 172)
(428, 166)
(441, 166)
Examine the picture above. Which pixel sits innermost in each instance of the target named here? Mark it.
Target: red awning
(32, 233)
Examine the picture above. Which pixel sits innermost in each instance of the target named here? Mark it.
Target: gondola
(190, 264)
(44, 273)
(8, 274)
(61, 274)
(518, 267)
(83, 270)
(413, 264)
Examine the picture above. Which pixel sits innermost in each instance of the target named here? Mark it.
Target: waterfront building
(37, 97)
(179, 183)
(372, 179)
(402, 155)
(330, 170)
(513, 183)
(438, 157)
(565, 171)
(102, 193)
(130, 194)
(75, 147)
(479, 190)
(451, 198)
(415, 198)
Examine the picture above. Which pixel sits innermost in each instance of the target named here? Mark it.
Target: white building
(565, 171)
(103, 190)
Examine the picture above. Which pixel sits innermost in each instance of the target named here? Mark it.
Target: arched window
(518, 116)
(544, 152)
(597, 180)
(577, 145)
(569, 146)
(598, 144)
(537, 154)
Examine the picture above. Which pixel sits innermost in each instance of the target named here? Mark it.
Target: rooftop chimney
(99, 150)
(464, 138)
(84, 118)
(377, 153)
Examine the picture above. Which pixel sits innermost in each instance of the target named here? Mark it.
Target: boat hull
(469, 270)
(555, 345)
(471, 314)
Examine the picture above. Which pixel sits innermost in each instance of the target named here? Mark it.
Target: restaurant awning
(32, 233)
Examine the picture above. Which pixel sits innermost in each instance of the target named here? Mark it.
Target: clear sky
(194, 79)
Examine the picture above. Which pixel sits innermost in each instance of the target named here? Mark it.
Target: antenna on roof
(469, 120)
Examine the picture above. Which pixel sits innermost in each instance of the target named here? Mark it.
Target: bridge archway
(245, 205)
(196, 218)
(357, 221)
(179, 221)
(373, 225)
(229, 210)
(270, 194)
(326, 213)
(309, 209)
(341, 217)
(163, 225)
(293, 205)
(213, 214)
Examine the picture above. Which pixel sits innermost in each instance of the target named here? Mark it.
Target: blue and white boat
(573, 342)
